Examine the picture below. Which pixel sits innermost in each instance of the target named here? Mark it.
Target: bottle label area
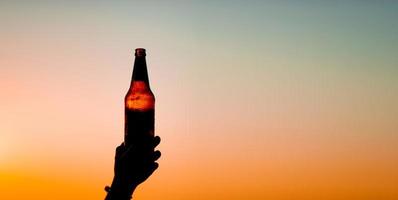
(139, 126)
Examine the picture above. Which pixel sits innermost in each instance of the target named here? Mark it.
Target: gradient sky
(255, 99)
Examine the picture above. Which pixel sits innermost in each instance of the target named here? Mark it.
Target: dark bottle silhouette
(139, 104)
(135, 159)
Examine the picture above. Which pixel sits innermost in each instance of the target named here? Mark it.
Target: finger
(156, 155)
(120, 149)
(153, 167)
(156, 141)
(150, 170)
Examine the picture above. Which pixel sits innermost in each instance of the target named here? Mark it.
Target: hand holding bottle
(133, 165)
(135, 158)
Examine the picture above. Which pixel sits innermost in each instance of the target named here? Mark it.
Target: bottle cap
(140, 52)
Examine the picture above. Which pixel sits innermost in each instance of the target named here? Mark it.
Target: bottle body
(139, 105)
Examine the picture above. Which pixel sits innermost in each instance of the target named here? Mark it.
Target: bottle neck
(140, 72)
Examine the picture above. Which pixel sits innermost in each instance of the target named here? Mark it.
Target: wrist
(123, 185)
(120, 190)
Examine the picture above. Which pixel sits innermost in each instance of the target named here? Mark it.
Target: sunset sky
(255, 100)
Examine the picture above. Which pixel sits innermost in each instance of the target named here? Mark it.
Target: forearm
(119, 191)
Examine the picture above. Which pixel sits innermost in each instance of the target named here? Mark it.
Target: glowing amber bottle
(139, 104)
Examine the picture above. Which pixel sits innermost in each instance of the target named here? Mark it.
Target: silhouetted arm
(133, 165)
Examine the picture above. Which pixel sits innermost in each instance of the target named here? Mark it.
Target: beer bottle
(139, 104)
